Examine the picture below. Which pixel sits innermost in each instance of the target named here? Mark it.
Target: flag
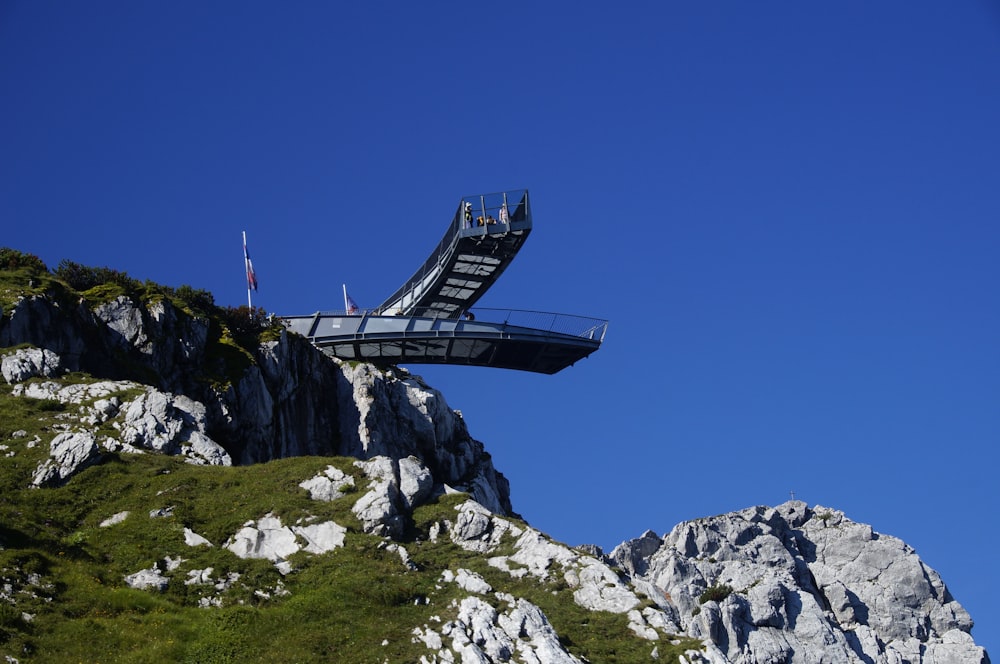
(251, 275)
(349, 304)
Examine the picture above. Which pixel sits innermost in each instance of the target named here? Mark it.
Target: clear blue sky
(789, 211)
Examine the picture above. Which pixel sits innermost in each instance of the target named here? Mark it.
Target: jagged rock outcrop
(800, 584)
(25, 363)
(70, 453)
(145, 418)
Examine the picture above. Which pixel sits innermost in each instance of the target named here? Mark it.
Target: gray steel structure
(473, 253)
(503, 338)
(428, 320)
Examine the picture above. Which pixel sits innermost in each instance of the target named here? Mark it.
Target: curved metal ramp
(475, 250)
(429, 319)
(509, 339)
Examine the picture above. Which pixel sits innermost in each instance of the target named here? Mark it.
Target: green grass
(340, 607)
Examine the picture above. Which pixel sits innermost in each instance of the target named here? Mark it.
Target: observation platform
(429, 320)
(504, 338)
(482, 240)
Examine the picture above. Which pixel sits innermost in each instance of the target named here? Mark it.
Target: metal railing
(568, 324)
(483, 206)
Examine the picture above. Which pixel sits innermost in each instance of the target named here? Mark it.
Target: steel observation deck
(504, 338)
(475, 250)
(429, 320)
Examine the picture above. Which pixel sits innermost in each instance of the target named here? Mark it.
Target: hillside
(184, 482)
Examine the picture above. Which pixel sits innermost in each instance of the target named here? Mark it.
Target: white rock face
(321, 537)
(522, 633)
(147, 579)
(192, 538)
(266, 538)
(114, 519)
(69, 453)
(802, 585)
(397, 487)
(269, 539)
(467, 580)
(124, 319)
(382, 414)
(328, 485)
(159, 421)
(171, 424)
(26, 363)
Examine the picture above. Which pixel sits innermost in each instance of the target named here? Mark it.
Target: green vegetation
(715, 593)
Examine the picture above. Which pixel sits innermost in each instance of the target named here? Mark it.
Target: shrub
(12, 259)
(715, 593)
(198, 299)
(82, 278)
(246, 321)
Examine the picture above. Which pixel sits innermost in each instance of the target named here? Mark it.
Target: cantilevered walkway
(430, 319)
(482, 240)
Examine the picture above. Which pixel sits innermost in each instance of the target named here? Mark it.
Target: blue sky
(788, 211)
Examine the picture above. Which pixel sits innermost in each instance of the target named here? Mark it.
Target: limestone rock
(397, 487)
(25, 363)
(467, 580)
(171, 424)
(114, 519)
(321, 537)
(147, 578)
(68, 454)
(269, 539)
(39, 321)
(386, 414)
(522, 633)
(192, 538)
(328, 485)
(798, 584)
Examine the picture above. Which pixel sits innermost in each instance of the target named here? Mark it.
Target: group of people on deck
(488, 220)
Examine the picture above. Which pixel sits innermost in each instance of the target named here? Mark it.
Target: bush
(245, 321)
(82, 278)
(12, 259)
(198, 299)
(715, 593)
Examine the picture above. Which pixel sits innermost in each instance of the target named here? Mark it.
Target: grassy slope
(340, 606)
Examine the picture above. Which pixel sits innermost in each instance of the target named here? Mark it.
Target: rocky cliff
(284, 399)
(134, 439)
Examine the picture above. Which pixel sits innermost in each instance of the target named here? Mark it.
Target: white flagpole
(347, 309)
(246, 268)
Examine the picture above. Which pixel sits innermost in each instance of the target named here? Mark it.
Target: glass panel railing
(478, 320)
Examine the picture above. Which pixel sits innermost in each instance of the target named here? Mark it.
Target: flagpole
(246, 268)
(347, 309)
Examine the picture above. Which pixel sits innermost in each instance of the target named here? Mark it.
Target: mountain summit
(184, 482)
